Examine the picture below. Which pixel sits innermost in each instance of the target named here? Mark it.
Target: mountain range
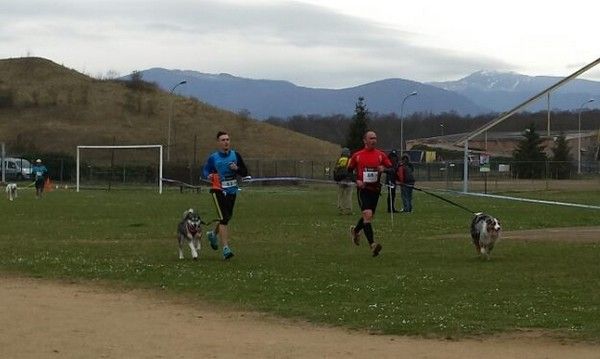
(479, 93)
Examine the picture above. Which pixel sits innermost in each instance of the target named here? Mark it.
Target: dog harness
(193, 229)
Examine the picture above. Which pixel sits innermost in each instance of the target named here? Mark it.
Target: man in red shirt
(369, 163)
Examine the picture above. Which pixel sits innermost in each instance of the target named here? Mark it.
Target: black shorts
(367, 199)
(224, 205)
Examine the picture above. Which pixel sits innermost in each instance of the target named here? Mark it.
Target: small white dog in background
(11, 191)
(485, 231)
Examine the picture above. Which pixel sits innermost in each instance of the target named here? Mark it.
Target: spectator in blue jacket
(40, 173)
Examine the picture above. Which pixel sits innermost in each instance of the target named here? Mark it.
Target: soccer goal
(107, 167)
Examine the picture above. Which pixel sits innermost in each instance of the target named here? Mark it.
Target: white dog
(11, 191)
(189, 231)
(485, 231)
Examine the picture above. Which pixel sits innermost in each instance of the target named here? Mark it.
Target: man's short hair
(221, 133)
(365, 134)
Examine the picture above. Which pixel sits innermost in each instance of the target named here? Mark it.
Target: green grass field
(294, 258)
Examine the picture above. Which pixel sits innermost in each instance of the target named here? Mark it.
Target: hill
(269, 98)
(45, 107)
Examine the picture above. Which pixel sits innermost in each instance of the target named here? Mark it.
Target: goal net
(127, 166)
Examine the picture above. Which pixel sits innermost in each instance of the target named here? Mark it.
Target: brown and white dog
(485, 231)
(189, 231)
(11, 191)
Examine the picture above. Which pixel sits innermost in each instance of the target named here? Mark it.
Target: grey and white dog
(189, 231)
(11, 191)
(485, 231)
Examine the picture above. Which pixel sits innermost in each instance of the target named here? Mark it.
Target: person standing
(40, 173)
(343, 178)
(390, 181)
(406, 179)
(222, 169)
(368, 163)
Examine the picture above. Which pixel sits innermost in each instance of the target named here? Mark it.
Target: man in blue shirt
(40, 173)
(222, 169)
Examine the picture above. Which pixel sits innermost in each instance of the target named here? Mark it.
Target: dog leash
(210, 222)
(439, 197)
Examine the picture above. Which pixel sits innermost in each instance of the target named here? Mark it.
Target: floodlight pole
(414, 93)
(548, 110)
(171, 119)
(579, 136)
(3, 164)
(466, 167)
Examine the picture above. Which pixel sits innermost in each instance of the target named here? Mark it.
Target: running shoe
(354, 236)
(375, 248)
(213, 240)
(227, 253)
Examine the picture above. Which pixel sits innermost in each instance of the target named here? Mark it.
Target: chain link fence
(502, 175)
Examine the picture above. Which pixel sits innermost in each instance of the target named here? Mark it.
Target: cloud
(306, 44)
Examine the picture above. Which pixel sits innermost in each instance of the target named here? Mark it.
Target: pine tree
(358, 126)
(529, 155)
(561, 159)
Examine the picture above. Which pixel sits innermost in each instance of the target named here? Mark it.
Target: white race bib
(370, 175)
(230, 183)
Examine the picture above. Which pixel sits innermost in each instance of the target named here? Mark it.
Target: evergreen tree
(358, 126)
(529, 156)
(561, 159)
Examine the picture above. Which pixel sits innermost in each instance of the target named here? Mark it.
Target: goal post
(160, 158)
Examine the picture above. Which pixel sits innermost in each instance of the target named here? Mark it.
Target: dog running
(11, 191)
(485, 231)
(189, 231)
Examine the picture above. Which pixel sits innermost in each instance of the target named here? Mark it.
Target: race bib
(370, 175)
(229, 183)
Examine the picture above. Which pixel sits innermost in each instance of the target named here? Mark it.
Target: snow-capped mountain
(271, 98)
(501, 91)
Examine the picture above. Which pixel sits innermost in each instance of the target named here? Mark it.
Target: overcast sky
(315, 43)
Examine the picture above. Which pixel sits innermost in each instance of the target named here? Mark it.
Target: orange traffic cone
(47, 185)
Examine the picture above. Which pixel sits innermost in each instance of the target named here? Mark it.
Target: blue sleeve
(209, 167)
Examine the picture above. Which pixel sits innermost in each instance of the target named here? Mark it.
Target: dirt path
(44, 319)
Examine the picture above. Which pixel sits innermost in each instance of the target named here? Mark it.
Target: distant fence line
(435, 171)
(61, 170)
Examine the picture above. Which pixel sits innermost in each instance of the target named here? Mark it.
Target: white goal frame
(160, 167)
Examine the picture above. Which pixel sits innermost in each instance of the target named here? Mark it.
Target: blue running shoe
(212, 238)
(227, 253)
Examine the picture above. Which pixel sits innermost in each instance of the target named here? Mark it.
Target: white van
(17, 168)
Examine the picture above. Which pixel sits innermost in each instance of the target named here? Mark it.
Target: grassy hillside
(45, 107)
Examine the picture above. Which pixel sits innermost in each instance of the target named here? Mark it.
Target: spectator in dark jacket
(406, 180)
(390, 181)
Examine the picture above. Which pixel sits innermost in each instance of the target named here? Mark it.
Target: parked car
(17, 168)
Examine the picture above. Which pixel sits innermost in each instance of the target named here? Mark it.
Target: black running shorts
(224, 205)
(367, 199)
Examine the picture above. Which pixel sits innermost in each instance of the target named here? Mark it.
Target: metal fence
(446, 175)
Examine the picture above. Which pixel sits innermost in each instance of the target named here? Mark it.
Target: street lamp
(171, 119)
(402, 121)
(579, 139)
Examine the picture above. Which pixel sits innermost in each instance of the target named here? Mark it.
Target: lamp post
(171, 119)
(579, 137)
(414, 93)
